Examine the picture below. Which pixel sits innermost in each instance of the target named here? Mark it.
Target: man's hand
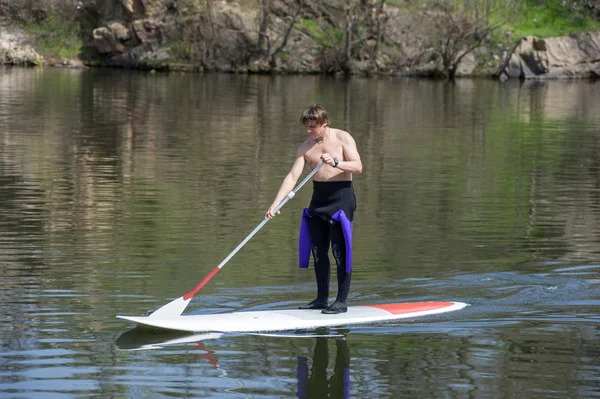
(269, 214)
(328, 159)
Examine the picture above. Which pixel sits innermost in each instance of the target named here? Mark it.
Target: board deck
(294, 319)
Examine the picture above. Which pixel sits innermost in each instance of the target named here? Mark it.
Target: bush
(37, 11)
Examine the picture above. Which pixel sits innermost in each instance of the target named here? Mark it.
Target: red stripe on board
(401, 308)
(191, 294)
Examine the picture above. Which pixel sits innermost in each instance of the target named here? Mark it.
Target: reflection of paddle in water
(142, 339)
(315, 383)
(207, 354)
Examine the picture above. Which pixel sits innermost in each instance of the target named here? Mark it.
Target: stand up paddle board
(293, 319)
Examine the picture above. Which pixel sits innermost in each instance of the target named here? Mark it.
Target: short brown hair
(314, 113)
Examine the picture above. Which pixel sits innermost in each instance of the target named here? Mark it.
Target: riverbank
(286, 37)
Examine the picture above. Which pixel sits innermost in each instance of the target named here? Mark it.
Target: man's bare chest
(315, 152)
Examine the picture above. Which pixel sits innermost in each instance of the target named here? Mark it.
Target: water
(119, 191)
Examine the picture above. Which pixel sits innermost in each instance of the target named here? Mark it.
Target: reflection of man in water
(316, 384)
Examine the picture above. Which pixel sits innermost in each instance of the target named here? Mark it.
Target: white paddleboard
(293, 319)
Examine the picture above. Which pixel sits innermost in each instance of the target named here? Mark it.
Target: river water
(120, 191)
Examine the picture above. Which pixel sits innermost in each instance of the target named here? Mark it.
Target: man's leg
(338, 244)
(320, 236)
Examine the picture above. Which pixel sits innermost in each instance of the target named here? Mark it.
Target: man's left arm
(351, 162)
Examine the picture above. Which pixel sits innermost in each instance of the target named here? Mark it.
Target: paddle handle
(288, 197)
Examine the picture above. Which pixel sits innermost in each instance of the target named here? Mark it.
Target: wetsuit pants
(332, 203)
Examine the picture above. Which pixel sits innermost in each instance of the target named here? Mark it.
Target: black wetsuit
(328, 199)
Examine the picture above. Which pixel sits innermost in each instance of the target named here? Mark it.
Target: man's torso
(332, 145)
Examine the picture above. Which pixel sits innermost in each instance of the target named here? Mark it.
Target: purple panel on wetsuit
(340, 216)
(305, 242)
(346, 383)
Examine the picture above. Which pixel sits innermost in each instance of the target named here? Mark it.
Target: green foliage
(400, 3)
(37, 62)
(56, 38)
(550, 18)
(182, 50)
(311, 27)
(326, 38)
(543, 18)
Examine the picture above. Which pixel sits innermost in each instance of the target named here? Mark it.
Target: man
(328, 219)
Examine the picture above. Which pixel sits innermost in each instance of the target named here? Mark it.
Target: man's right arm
(288, 182)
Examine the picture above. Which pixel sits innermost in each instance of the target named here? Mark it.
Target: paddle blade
(172, 309)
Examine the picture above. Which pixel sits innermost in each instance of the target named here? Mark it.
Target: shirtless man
(328, 219)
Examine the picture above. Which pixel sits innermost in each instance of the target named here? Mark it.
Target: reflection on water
(144, 339)
(315, 382)
(121, 190)
(312, 373)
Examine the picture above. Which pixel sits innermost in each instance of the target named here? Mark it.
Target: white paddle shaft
(281, 204)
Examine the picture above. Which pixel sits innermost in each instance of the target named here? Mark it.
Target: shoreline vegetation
(440, 38)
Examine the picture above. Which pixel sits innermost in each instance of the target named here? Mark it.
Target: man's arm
(351, 162)
(288, 182)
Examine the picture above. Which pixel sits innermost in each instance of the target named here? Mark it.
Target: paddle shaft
(291, 195)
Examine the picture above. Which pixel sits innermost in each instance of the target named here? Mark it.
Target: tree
(381, 17)
(286, 36)
(264, 13)
(350, 14)
(458, 28)
(586, 6)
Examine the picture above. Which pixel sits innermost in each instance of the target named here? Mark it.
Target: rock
(161, 55)
(151, 33)
(73, 63)
(467, 65)
(259, 66)
(362, 67)
(15, 50)
(573, 56)
(155, 7)
(512, 69)
(120, 31)
(128, 5)
(104, 40)
(17, 55)
(112, 39)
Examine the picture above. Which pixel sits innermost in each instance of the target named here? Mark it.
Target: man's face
(314, 129)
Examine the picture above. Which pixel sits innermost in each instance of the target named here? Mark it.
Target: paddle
(175, 308)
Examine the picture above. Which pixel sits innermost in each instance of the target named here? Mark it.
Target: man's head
(314, 113)
(314, 118)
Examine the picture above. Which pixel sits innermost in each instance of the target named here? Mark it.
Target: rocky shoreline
(227, 39)
(567, 57)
